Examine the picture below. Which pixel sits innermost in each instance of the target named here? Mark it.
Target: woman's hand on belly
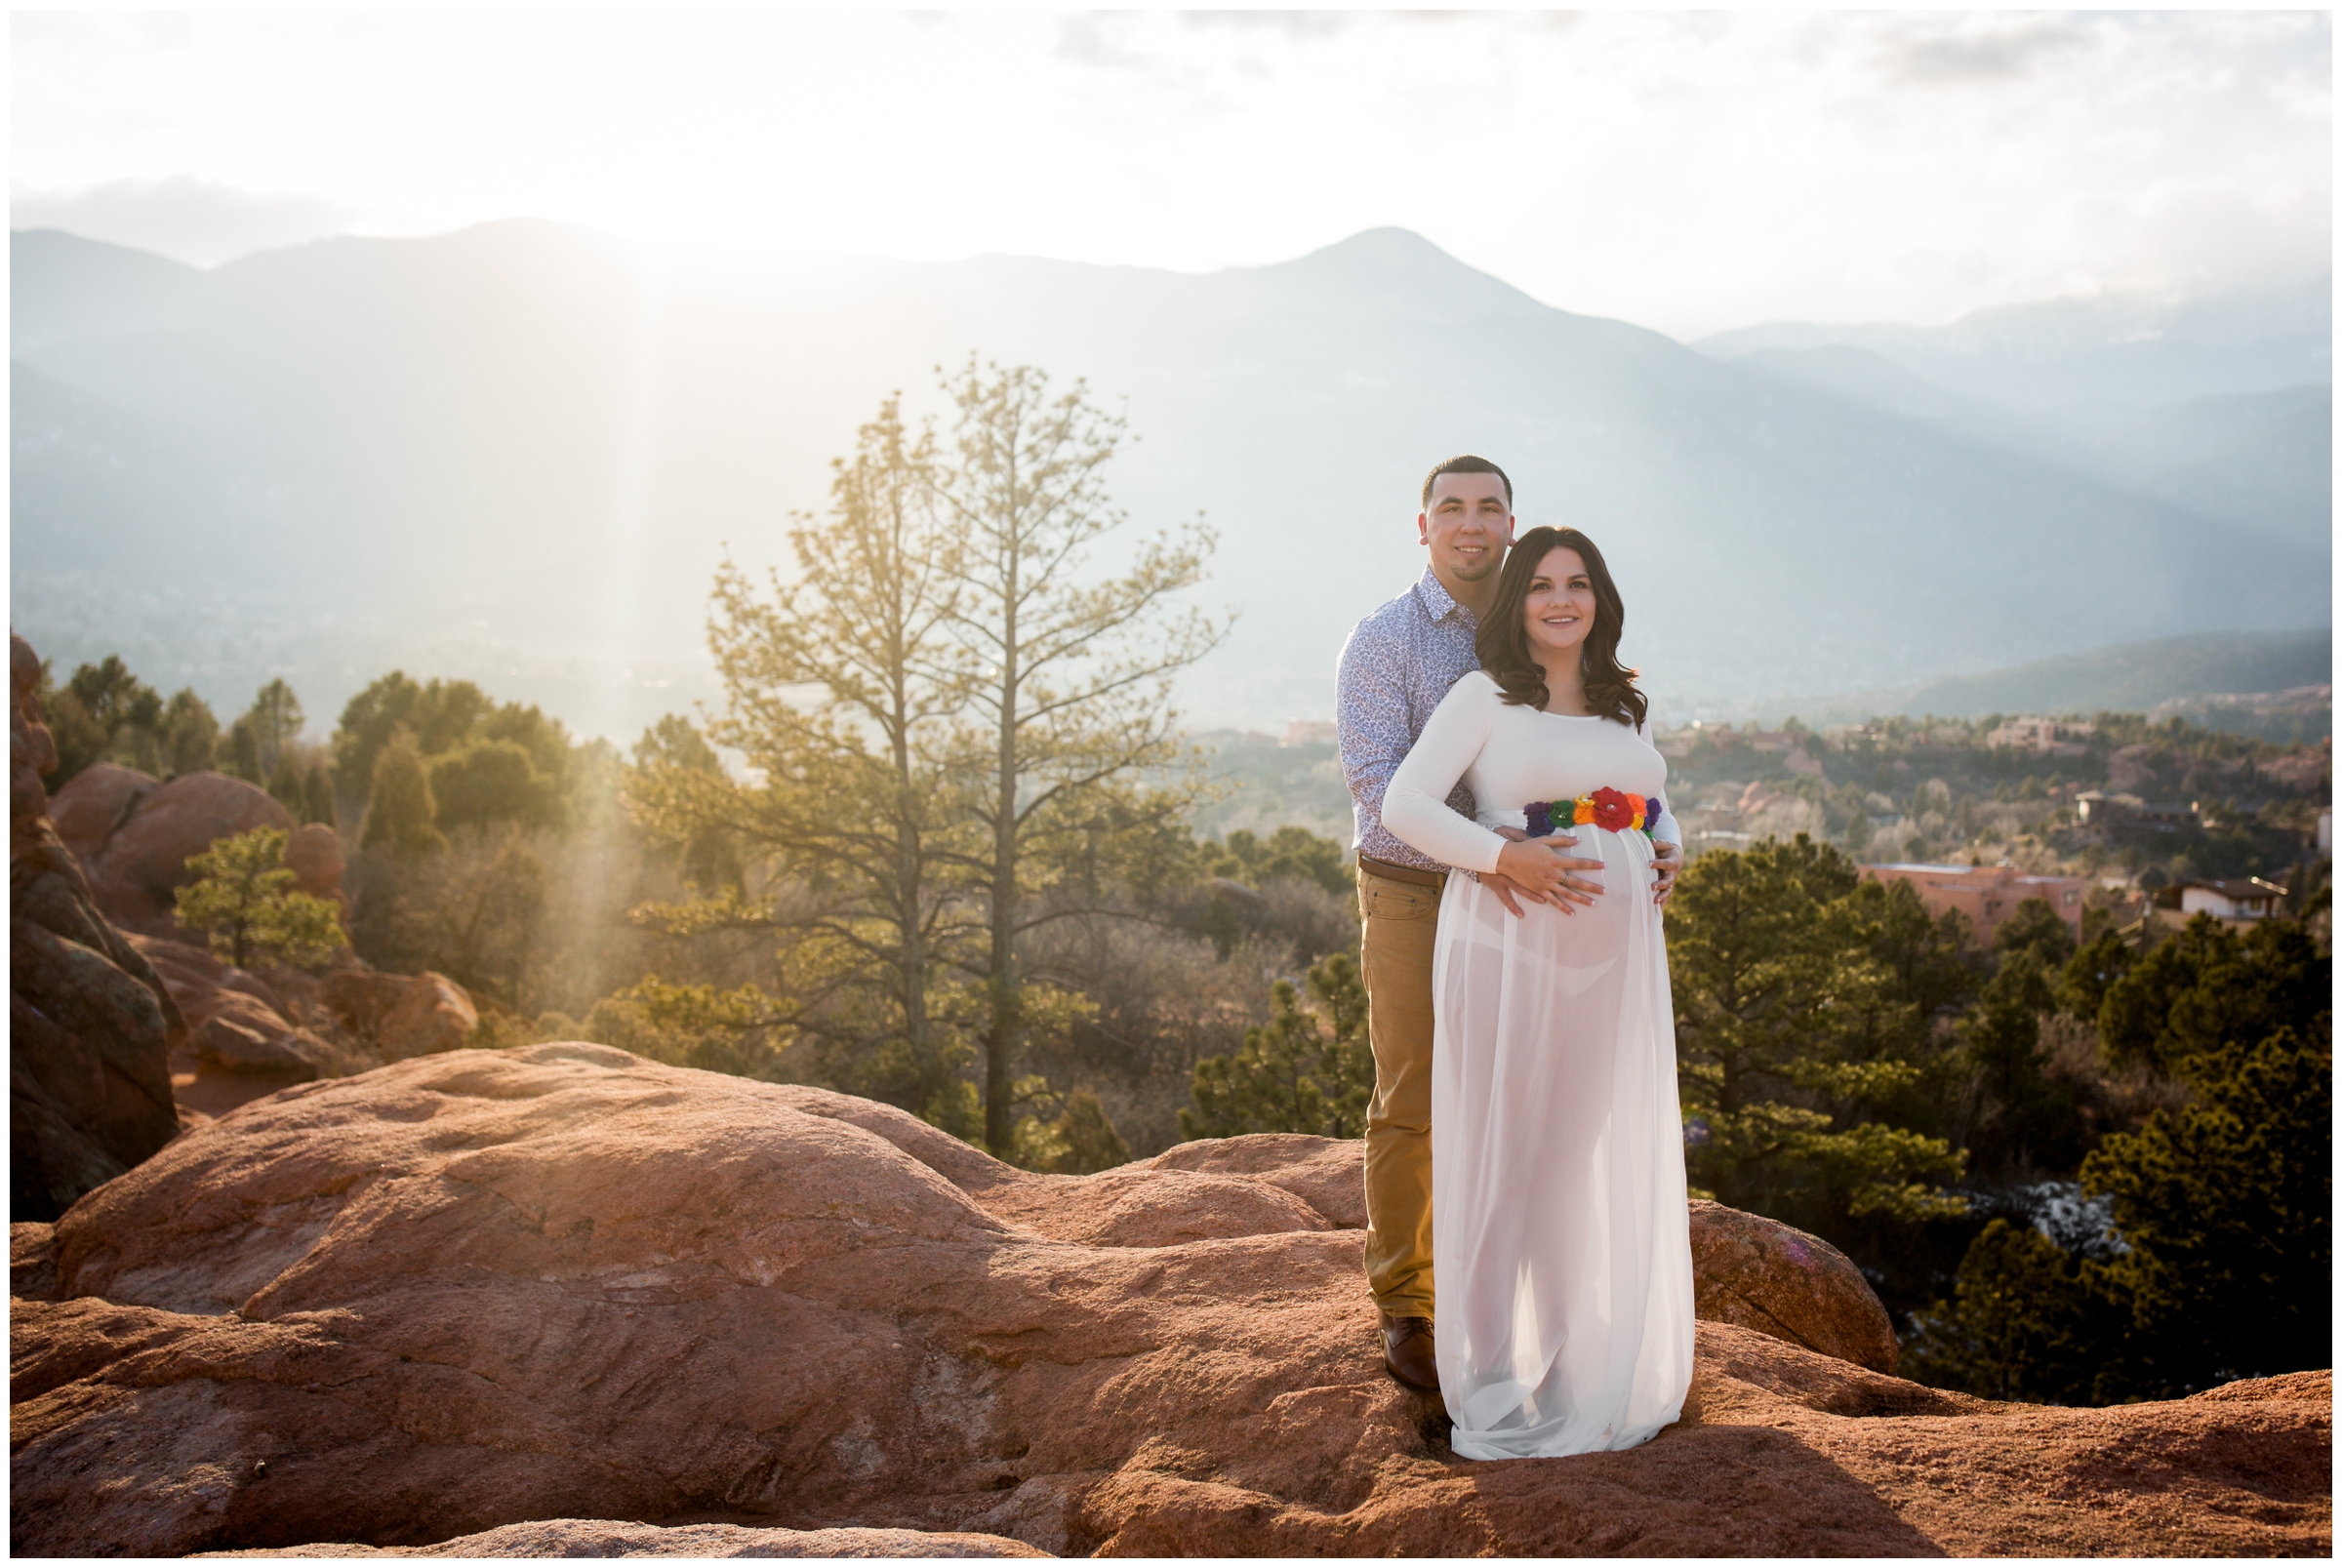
(1539, 869)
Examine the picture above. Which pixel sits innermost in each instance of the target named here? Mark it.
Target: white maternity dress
(1561, 1238)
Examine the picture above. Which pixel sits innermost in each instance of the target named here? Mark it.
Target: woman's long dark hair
(1504, 640)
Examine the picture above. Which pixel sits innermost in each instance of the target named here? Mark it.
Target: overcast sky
(1687, 173)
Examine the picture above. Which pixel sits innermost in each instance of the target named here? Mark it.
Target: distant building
(1988, 895)
(2045, 736)
(2248, 897)
(1309, 732)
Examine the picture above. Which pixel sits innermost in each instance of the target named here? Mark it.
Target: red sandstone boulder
(93, 801)
(1763, 1275)
(241, 1040)
(314, 855)
(562, 1283)
(402, 1016)
(142, 864)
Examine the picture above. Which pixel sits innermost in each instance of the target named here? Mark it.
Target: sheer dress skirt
(1561, 1237)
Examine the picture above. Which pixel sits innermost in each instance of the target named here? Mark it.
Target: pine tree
(1802, 1058)
(1303, 1071)
(400, 814)
(1088, 1134)
(842, 695)
(190, 733)
(1068, 695)
(284, 786)
(274, 719)
(317, 795)
(244, 898)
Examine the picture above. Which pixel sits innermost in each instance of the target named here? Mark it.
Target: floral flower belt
(1606, 808)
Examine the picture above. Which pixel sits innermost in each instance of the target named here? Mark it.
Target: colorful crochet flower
(1607, 809)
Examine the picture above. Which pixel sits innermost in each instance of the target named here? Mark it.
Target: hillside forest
(939, 847)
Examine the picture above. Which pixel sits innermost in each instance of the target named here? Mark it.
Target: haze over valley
(517, 453)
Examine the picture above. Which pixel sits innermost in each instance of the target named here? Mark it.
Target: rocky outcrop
(89, 1024)
(94, 802)
(615, 1538)
(1761, 1275)
(402, 1016)
(562, 1283)
(138, 867)
(314, 855)
(238, 1028)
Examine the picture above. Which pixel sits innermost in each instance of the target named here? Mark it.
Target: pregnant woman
(1560, 1233)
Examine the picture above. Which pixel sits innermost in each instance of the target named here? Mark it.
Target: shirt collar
(1438, 603)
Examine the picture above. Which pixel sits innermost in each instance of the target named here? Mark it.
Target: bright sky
(1689, 173)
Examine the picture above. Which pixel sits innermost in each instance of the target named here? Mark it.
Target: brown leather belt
(1401, 873)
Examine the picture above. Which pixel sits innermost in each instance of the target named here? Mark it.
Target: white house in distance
(2247, 898)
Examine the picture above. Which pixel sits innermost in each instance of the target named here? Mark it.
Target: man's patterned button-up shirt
(1396, 665)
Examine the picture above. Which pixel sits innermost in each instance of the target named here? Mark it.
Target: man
(1396, 665)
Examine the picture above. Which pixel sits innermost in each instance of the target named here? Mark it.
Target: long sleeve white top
(1509, 755)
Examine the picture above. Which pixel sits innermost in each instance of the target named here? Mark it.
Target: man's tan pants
(1402, 920)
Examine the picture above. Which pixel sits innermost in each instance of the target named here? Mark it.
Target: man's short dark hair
(1467, 463)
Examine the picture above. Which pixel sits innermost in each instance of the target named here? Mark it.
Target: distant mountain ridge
(2122, 348)
(2139, 677)
(516, 453)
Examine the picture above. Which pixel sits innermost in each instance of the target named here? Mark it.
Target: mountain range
(518, 452)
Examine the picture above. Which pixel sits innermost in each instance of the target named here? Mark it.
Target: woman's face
(1561, 604)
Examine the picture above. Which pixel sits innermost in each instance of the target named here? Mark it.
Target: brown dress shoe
(1408, 1351)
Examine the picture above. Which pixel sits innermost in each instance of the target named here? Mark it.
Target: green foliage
(843, 691)
(1088, 1134)
(2206, 986)
(2036, 928)
(2219, 1261)
(284, 786)
(2025, 1123)
(103, 713)
(493, 782)
(1927, 956)
(1306, 1070)
(1802, 1057)
(2227, 1207)
(438, 716)
(2020, 1325)
(1290, 853)
(244, 899)
(401, 816)
(190, 733)
(692, 1027)
(317, 795)
(709, 853)
(273, 722)
(1065, 672)
(2105, 958)
(448, 717)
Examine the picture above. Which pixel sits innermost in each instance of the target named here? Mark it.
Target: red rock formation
(92, 802)
(138, 870)
(89, 1024)
(314, 855)
(560, 1282)
(402, 1016)
(615, 1538)
(1778, 1280)
(242, 1042)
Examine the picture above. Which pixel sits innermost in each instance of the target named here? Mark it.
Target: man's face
(1467, 526)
